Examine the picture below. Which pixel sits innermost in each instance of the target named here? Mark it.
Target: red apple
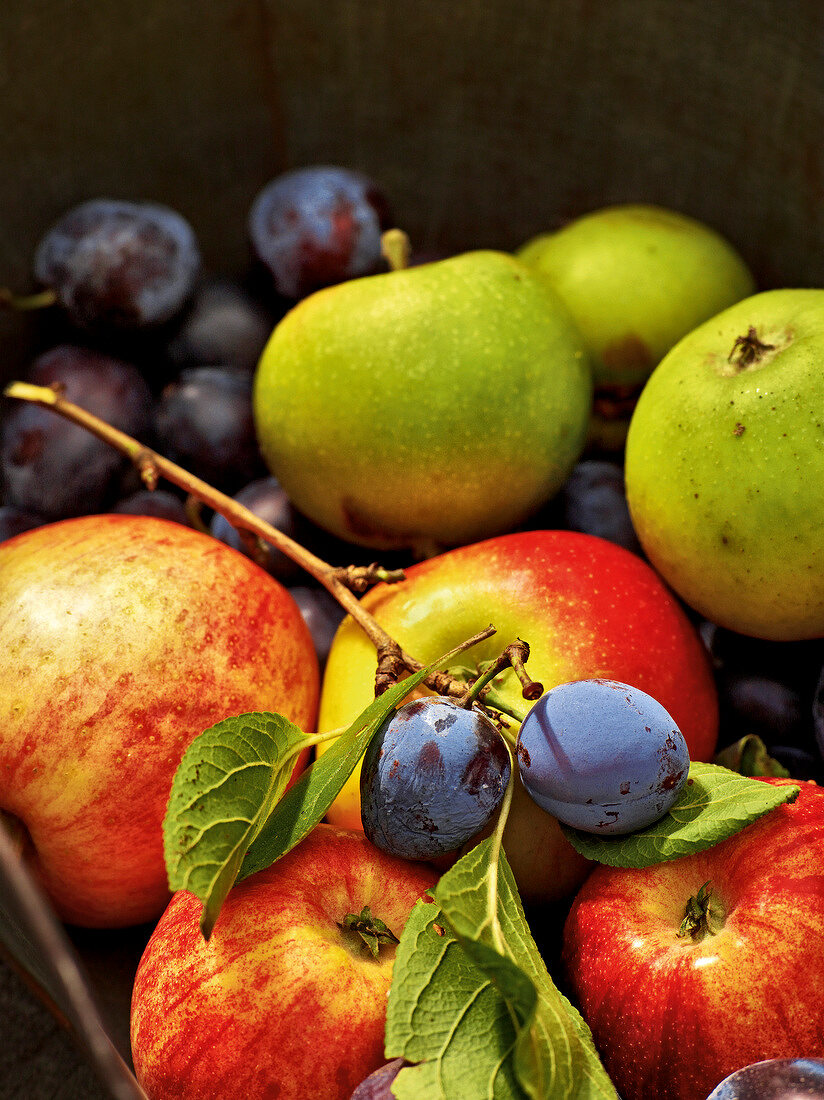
(281, 1001)
(121, 639)
(586, 607)
(673, 1015)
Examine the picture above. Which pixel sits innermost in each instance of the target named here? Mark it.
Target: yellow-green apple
(121, 639)
(636, 278)
(587, 608)
(428, 406)
(725, 467)
(690, 969)
(282, 1001)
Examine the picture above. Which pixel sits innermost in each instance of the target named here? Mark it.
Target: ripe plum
(316, 226)
(116, 265)
(433, 776)
(56, 468)
(602, 756)
(203, 421)
(774, 1079)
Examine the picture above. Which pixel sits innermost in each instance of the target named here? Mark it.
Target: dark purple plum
(322, 614)
(593, 501)
(203, 421)
(774, 1079)
(759, 704)
(317, 226)
(119, 265)
(58, 469)
(432, 778)
(154, 502)
(265, 497)
(13, 521)
(378, 1085)
(223, 327)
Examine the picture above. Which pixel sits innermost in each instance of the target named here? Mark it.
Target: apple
(636, 278)
(424, 407)
(725, 467)
(122, 638)
(672, 1015)
(587, 608)
(281, 1001)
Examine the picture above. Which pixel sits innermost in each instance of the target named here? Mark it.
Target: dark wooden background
(485, 122)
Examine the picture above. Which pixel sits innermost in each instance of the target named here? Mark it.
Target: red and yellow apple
(672, 1015)
(121, 639)
(586, 607)
(281, 1001)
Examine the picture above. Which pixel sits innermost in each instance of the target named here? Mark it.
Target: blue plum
(774, 1079)
(602, 756)
(317, 226)
(433, 776)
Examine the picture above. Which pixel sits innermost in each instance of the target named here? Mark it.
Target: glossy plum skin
(119, 265)
(774, 1079)
(317, 226)
(602, 756)
(433, 776)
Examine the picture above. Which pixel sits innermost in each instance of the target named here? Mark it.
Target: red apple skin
(121, 639)
(280, 1001)
(587, 608)
(670, 1017)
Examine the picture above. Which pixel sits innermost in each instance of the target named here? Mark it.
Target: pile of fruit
(529, 807)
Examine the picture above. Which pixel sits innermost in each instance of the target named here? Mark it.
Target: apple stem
(396, 249)
(393, 661)
(703, 916)
(25, 303)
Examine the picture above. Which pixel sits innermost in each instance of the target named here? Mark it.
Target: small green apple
(636, 278)
(425, 407)
(725, 467)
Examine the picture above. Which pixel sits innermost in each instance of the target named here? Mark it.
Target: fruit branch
(341, 582)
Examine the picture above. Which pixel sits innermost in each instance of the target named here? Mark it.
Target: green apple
(636, 278)
(427, 406)
(725, 467)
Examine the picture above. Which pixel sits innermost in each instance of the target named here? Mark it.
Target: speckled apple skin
(637, 278)
(121, 639)
(725, 469)
(426, 407)
(280, 1002)
(672, 1018)
(587, 608)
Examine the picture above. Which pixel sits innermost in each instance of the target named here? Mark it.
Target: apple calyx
(372, 931)
(748, 350)
(703, 916)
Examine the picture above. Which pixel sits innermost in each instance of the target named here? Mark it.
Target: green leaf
(749, 756)
(227, 784)
(714, 804)
(472, 1001)
(308, 799)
